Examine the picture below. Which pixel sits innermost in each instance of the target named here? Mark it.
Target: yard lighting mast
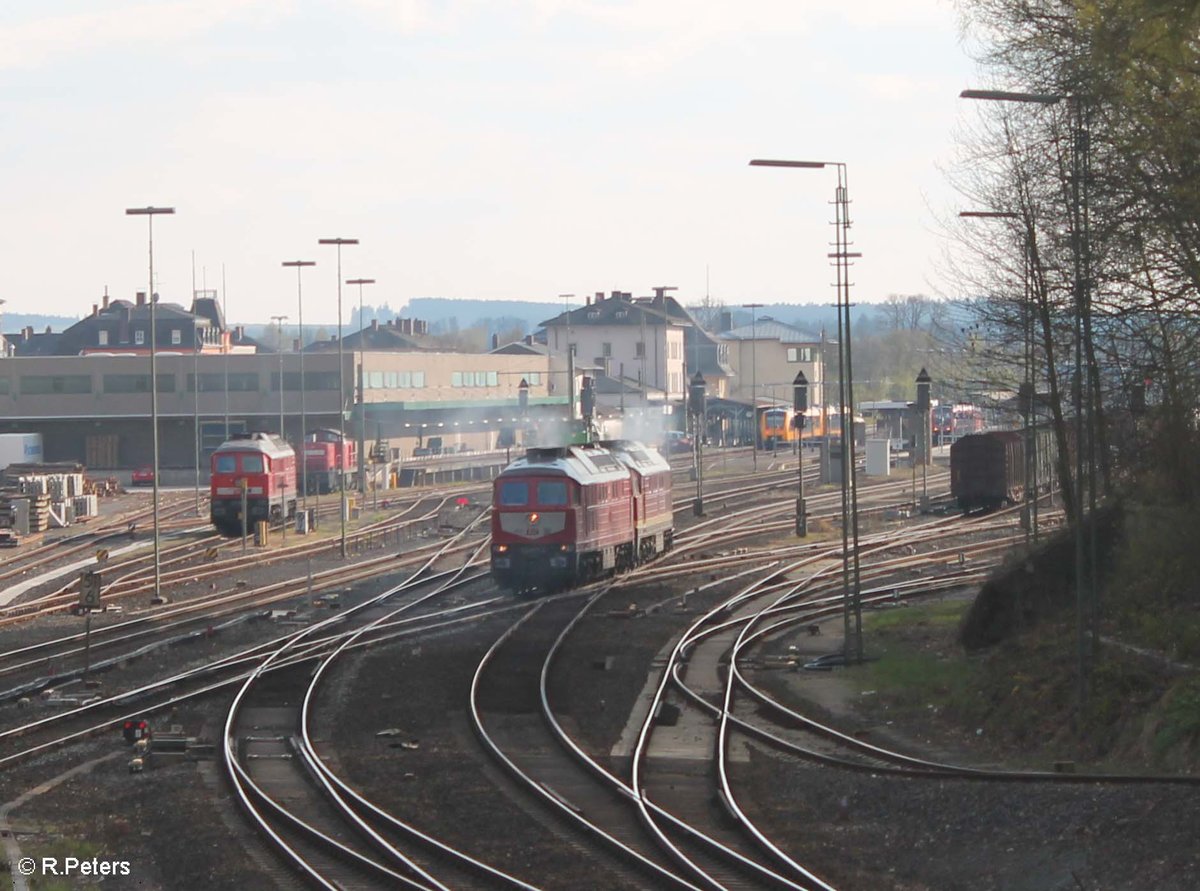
(341, 387)
(842, 255)
(753, 307)
(150, 213)
(300, 264)
(362, 393)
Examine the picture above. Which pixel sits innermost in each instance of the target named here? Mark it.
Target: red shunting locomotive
(266, 466)
(329, 463)
(561, 516)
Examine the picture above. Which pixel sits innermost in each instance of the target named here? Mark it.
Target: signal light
(135, 730)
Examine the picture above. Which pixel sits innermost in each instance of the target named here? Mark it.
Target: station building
(87, 389)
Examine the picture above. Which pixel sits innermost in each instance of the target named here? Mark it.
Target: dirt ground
(856, 830)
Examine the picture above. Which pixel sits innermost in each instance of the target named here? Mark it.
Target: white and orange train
(565, 515)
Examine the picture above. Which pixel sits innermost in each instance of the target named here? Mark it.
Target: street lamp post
(800, 406)
(362, 393)
(753, 307)
(150, 213)
(697, 399)
(1080, 249)
(338, 242)
(279, 320)
(196, 393)
(842, 256)
(303, 468)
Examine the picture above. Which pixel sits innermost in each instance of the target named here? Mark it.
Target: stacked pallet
(32, 496)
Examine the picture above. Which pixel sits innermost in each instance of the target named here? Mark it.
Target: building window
(799, 354)
(418, 378)
(481, 378)
(456, 379)
(534, 378)
(606, 350)
(102, 338)
(493, 378)
(139, 337)
(41, 384)
(571, 348)
(137, 383)
(641, 349)
(176, 337)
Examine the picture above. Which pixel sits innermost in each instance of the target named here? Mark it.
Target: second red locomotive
(265, 467)
(565, 515)
(329, 463)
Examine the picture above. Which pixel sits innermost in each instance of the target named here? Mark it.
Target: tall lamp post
(150, 213)
(800, 406)
(300, 264)
(753, 307)
(196, 343)
(697, 400)
(279, 320)
(1080, 249)
(842, 255)
(362, 393)
(341, 387)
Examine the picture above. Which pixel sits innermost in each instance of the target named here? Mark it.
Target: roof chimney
(27, 333)
(105, 304)
(529, 340)
(495, 341)
(141, 298)
(239, 333)
(374, 324)
(599, 296)
(95, 310)
(617, 295)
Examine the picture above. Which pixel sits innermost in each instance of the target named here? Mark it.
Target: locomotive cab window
(514, 494)
(226, 464)
(252, 463)
(552, 494)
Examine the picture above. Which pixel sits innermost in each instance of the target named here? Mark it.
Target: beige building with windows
(765, 357)
(95, 408)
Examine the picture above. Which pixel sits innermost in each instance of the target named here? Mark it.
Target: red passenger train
(329, 464)
(566, 515)
(266, 466)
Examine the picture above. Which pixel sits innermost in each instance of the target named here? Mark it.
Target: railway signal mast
(800, 406)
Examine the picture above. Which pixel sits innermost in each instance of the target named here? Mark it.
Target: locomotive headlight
(563, 547)
(533, 518)
(501, 549)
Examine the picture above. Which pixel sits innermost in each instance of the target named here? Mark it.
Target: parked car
(143, 476)
(675, 441)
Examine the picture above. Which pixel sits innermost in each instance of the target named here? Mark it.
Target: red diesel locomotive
(266, 466)
(565, 515)
(329, 463)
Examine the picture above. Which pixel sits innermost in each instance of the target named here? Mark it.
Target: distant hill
(15, 321)
(447, 314)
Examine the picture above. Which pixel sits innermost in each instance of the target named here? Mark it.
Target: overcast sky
(477, 148)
